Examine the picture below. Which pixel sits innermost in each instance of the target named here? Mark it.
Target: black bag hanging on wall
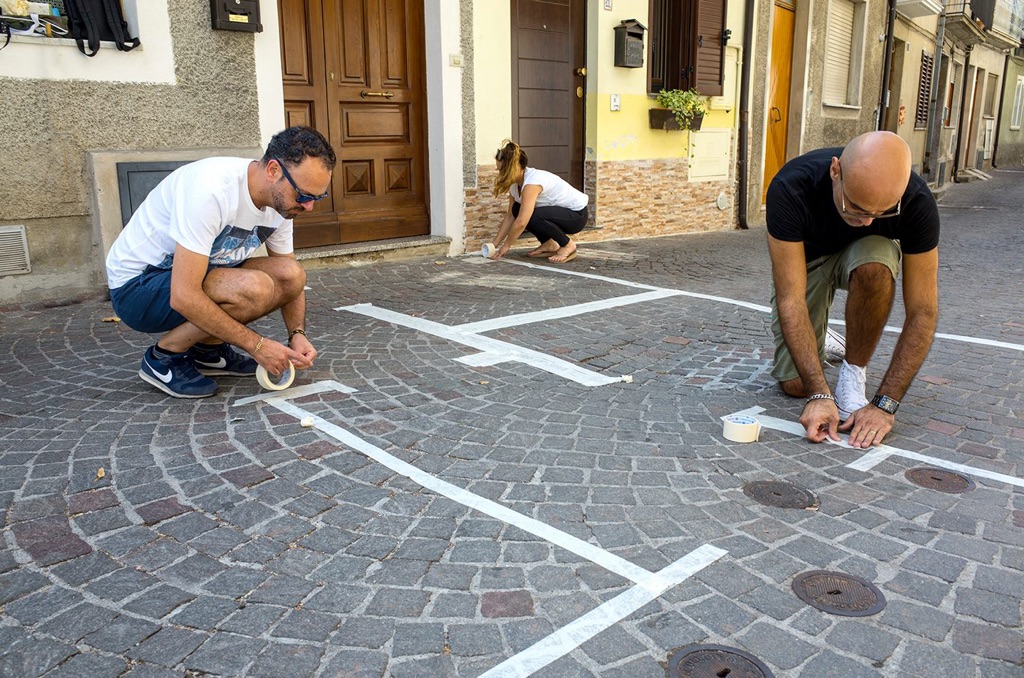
(93, 21)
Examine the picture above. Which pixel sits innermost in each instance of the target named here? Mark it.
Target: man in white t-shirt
(183, 265)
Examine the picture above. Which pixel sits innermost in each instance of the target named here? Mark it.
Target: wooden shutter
(838, 52)
(709, 64)
(924, 90)
(1018, 103)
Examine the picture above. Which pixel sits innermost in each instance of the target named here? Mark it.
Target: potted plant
(681, 109)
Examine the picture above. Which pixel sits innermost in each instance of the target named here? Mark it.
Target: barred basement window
(924, 90)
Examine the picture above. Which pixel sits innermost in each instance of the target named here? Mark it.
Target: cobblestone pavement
(224, 538)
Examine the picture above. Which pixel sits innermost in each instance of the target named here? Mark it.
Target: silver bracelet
(821, 396)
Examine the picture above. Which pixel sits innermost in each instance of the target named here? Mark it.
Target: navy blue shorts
(144, 302)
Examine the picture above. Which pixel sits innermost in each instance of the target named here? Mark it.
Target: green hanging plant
(687, 105)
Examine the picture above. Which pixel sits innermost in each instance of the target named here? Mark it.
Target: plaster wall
(47, 126)
(985, 61)
(917, 39)
(1010, 151)
(812, 124)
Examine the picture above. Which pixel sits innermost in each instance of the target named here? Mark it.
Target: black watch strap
(885, 403)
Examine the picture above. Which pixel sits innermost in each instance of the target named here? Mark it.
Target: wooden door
(779, 80)
(548, 84)
(354, 71)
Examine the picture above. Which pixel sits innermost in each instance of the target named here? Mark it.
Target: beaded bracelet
(298, 330)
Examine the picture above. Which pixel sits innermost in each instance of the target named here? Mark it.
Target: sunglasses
(302, 196)
(859, 214)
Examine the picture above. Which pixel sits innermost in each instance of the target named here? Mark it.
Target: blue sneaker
(175, 375)
(222, 359)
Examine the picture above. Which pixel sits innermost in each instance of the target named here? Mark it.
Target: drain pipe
(999, 116)
(960, 122)
(890, 27)
(742, 161)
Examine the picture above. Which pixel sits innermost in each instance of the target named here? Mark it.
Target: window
(844, 53)
(1018, 103)
(924, 90)
(953, 96)
(687, 43)
(991, 86)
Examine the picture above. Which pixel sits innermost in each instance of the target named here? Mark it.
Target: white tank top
(554, 190)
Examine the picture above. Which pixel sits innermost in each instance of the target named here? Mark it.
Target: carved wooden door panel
(372, 110)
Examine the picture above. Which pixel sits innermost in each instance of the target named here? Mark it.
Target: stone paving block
(863, 639)
(78, 622)
(204, 613)
(917, 619)
(418, 639)
(159, 601)
(253, 619)
(224, 654)
(987, 641)
(120, 584)
(774, 646)
(991, 607)
(121, 633)
(366, 632)
(236, 582)
(90, 664)
(168, 646)
(34, 656)
(831, 664)
(922, 589)
(49, 540)
(947, 568)
(290, 659)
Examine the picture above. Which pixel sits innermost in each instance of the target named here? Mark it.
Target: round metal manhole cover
(838, 593)
(715, 661)
(939, 479)
(781, 494)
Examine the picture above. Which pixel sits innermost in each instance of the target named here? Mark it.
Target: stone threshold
(375, 250)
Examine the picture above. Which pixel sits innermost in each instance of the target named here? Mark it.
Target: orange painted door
(780, 77)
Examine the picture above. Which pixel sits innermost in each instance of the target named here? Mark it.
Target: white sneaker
(850, 386)
(835, 344)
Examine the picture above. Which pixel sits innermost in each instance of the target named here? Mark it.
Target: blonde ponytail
(511, 160)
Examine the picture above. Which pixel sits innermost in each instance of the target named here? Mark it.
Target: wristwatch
(885, 403)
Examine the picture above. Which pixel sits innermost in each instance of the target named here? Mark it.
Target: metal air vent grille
(14, 251)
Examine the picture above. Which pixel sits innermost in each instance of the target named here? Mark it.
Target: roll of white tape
(487, 250)
(740, 428)
(263, 377)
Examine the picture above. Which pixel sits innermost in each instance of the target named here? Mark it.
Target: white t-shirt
(554, 190)
(205, 207)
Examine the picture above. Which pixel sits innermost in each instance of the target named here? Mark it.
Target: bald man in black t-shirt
(845, 218)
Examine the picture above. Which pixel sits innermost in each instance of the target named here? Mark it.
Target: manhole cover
(780, 493)
(839, 593)
(711, 661)
(939, 479)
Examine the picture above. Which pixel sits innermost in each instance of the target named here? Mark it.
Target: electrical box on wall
(236, 15)
(629, 44)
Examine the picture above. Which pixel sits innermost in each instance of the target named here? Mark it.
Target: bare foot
(564, 254)
(544, 250)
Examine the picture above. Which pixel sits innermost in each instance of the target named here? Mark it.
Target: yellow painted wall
(610, 135)
(492, 73)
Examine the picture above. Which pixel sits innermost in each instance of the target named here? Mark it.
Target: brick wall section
(634, 199)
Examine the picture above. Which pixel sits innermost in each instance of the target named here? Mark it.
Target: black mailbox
(629, 44)
(236, 15)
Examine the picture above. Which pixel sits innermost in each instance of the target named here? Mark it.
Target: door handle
(777, 112)
(582, 70)
(386, 95)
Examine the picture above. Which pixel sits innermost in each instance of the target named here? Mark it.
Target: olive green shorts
(824, 276)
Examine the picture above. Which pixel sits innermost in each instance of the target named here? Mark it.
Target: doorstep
(357, 254)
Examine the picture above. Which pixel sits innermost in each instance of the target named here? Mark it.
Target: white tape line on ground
(563, 312)
(297, 392)
(595, 554)
(757, 307)
(571, 636)
(542, 361)
(880, 453)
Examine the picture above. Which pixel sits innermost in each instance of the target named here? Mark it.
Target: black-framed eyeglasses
(302, 196)
(891, 212)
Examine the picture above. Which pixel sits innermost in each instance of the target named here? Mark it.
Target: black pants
(554, 223)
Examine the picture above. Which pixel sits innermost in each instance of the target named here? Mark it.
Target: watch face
(885, 403)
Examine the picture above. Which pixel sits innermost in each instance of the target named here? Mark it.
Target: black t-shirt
(800, 208)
